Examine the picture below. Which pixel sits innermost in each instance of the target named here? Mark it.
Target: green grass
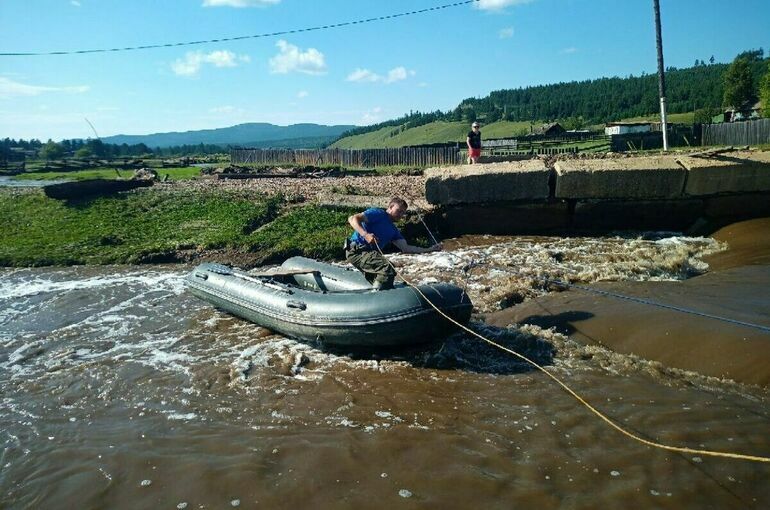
(311, 231)
(174, 173)
(441, 131)
(675, 118)
(435, 132)
(123, 229)
(151, 226)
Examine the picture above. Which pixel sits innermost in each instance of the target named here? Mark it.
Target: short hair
(398, 201)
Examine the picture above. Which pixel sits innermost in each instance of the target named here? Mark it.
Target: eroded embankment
(715, 345)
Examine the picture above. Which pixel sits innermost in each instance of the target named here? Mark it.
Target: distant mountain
(251, 134)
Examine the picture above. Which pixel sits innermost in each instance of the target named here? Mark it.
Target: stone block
(603, 215)
(484, 183)
(640, 178)
(505, 218)
(732, 172)
(738, 206)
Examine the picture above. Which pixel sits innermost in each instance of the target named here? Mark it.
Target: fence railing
(353, 158)
(750, 132)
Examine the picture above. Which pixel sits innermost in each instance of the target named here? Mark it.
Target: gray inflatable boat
(311, 300)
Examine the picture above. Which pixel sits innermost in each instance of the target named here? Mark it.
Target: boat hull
(332, 305)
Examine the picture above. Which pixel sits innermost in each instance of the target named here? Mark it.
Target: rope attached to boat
(599, 414)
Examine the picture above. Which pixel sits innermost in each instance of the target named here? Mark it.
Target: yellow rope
(569, 390)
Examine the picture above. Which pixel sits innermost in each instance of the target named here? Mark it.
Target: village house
(747, 111)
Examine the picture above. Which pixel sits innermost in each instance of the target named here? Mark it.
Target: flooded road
(119, 389)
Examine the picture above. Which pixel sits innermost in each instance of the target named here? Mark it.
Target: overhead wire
(242, 37)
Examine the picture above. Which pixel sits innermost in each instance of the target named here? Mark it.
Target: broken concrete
(640, 178)
(733, 172)
(602, 215)
(735, 207)
(484, 183)
(504, 218)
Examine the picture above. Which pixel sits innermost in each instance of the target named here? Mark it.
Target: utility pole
(661, 76)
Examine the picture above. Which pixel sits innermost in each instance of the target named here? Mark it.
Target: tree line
(95, 148)
(704, 89)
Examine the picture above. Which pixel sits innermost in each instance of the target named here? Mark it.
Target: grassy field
(675, 118)
(440, 132)
(174, 173)
(147, 226)
(435, 132)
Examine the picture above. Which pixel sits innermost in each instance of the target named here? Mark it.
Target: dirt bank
(736, 289)
(343, 190)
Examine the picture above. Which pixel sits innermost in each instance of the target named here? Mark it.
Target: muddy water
(118, 389)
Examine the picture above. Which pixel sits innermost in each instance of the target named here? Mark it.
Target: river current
(118, 389)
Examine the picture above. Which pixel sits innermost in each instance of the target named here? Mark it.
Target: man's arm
(468, 142)
(405, 247)
(355, 222)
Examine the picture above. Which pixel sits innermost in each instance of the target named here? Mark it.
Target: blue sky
(352, 75)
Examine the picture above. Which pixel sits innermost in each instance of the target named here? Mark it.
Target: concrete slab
(731, 172)
(599, 215)
(484, 183)
(648, 177)
(738, 206)
(504, 218)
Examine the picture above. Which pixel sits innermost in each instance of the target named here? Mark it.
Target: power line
(242, 37)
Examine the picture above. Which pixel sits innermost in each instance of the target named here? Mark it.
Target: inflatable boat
(310, 300)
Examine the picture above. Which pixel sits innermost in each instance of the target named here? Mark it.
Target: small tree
(51, 150)
(739, 83)
(764, 93)
(704, 115)
(83, 152)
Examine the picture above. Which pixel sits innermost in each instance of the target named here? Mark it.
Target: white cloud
(223, 109)
(422, 84)
(75, 3)
(363, 75)
(498, 5)
(239, 3)
(10, 88)
(372, 116)
(396, 74)
(292, 58)
(505, 33)
(192, 62)
(302, 93)
(569, 50)
(366, 76)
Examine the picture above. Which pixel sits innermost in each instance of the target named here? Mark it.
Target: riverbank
(241, 222)
(732, 289)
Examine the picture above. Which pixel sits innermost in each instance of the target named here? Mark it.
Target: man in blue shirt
(372, 228)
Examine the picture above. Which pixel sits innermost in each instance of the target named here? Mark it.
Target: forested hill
(581, 103)
(256, 133)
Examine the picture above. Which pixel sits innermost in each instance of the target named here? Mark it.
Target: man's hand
(370, 238)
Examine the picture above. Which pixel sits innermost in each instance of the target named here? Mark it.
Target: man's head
(396, 208)
(475, 125)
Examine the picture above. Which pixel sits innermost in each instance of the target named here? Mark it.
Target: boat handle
(202, 276)
(299, 305)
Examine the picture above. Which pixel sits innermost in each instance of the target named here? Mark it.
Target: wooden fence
(751, 132)
(351, 158)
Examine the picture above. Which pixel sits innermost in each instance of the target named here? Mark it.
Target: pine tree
(739, 83)
(764, 93)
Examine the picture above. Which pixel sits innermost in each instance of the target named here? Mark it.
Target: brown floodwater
(120, 390)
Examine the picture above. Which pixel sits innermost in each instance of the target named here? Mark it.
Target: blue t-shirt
(378, 223)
